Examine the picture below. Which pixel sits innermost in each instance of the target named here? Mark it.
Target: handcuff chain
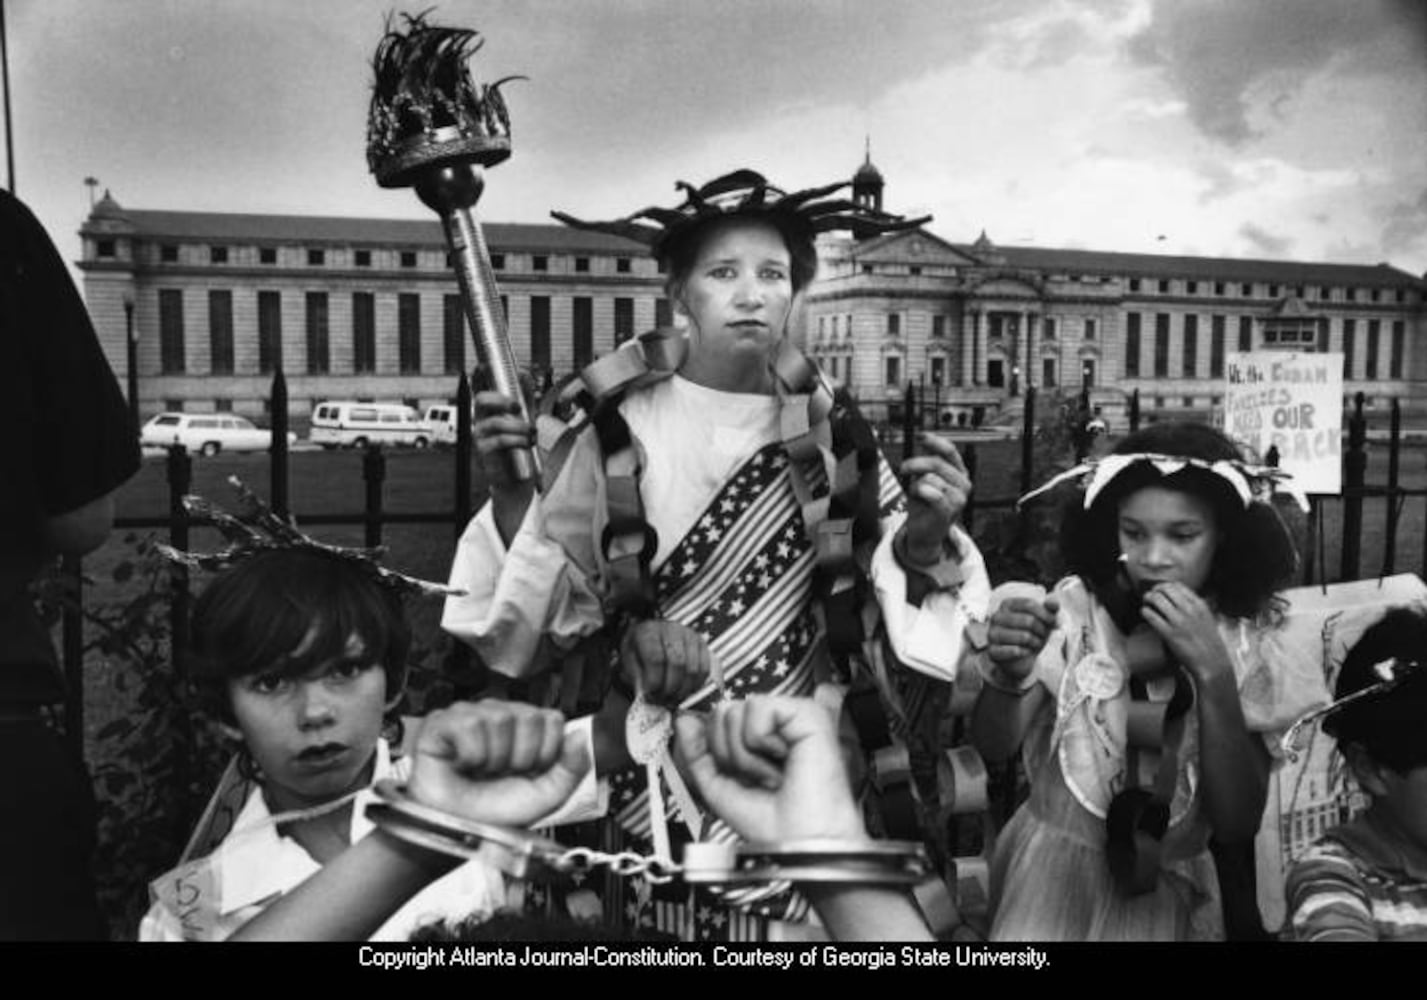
(627, 864)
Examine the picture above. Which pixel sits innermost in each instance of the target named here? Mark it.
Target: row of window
(317, 329)
(996, 372)
(839, 366)
(912, 270)
(1008, 324)
(1221, 289)
(317, 257)
(1297, 334)
(841, 324)
(996, 376)
(1300, 334)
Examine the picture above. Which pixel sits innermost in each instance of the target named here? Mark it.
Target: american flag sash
(742, 577)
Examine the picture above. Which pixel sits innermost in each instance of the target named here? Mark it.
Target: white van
(442, 421)
(342, 424)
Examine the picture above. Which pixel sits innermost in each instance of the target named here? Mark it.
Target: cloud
(1353, 251)
(1263, 241)
(1229, 58)
(1220, 181)
(1057, 43)
(1405, 230)
(676, 73)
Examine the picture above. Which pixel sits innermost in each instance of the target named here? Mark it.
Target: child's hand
(1186, 623)
(771, 768)
(937, 490)
(665, 660)
(498, 429)
(1018, 631)
(498, 762)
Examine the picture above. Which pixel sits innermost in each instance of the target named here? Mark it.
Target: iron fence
(373, 516)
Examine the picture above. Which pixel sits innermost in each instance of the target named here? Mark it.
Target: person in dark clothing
(71, 444)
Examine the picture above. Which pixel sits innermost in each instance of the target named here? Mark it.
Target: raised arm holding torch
(432, 129)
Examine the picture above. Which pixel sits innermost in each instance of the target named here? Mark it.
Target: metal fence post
(1422, 566)
(462, 505)
(1028, 440)
(460, 662)
(1311, 540)
(180, 481)
(1355, 464)
(72, 649)
(910, 419)
(1394, 446)
(277, 451)
(373, 473)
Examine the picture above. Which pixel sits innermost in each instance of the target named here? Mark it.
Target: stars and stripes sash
(742, 578)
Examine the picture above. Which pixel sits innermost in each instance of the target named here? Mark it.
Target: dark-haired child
(1138, 696)
(1366, 880)
(769, 765)
(304, 653)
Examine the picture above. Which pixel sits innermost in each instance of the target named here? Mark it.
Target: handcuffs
(525, 855)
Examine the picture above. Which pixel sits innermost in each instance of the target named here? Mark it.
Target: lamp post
(132, 346)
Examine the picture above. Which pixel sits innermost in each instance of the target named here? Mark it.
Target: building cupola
(867, 183)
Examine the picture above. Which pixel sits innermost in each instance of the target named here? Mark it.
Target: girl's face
(313, 734)
(1167, 536)
(737, 296)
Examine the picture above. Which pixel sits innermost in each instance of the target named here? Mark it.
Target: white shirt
(255, 864)
(693, 438)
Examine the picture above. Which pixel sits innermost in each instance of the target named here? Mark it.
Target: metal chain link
(628, 864)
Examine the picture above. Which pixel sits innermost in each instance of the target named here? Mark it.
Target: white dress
(1050, 879)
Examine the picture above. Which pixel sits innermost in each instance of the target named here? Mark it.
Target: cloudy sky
(1289, 129)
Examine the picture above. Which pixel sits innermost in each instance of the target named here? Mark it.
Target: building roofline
(216, 227)
(275, 229)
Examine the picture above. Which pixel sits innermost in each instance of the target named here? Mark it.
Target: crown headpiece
(1389, 673)
(265, 531)
(425, 107)
(1249, 482)
(744, 193)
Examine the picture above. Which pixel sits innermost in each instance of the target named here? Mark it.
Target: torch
(431, 128)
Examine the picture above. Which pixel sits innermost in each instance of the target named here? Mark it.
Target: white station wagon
(206, 433)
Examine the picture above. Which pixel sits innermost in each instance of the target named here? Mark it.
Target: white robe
(547, 583)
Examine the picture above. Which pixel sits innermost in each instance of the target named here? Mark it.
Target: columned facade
(369, 309)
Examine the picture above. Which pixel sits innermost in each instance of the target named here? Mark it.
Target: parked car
(442, 421)
(206, 433)
(338, 424)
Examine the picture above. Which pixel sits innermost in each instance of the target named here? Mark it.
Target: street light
(132, 339)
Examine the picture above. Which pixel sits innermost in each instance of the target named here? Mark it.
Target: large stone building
(976, 324)
(204, 307)
(208, 304)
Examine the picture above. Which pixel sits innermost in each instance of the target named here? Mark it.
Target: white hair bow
(1249, 482)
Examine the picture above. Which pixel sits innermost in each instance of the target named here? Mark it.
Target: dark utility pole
(5, 79)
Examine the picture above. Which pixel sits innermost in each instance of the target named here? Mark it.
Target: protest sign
(1291, 402)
